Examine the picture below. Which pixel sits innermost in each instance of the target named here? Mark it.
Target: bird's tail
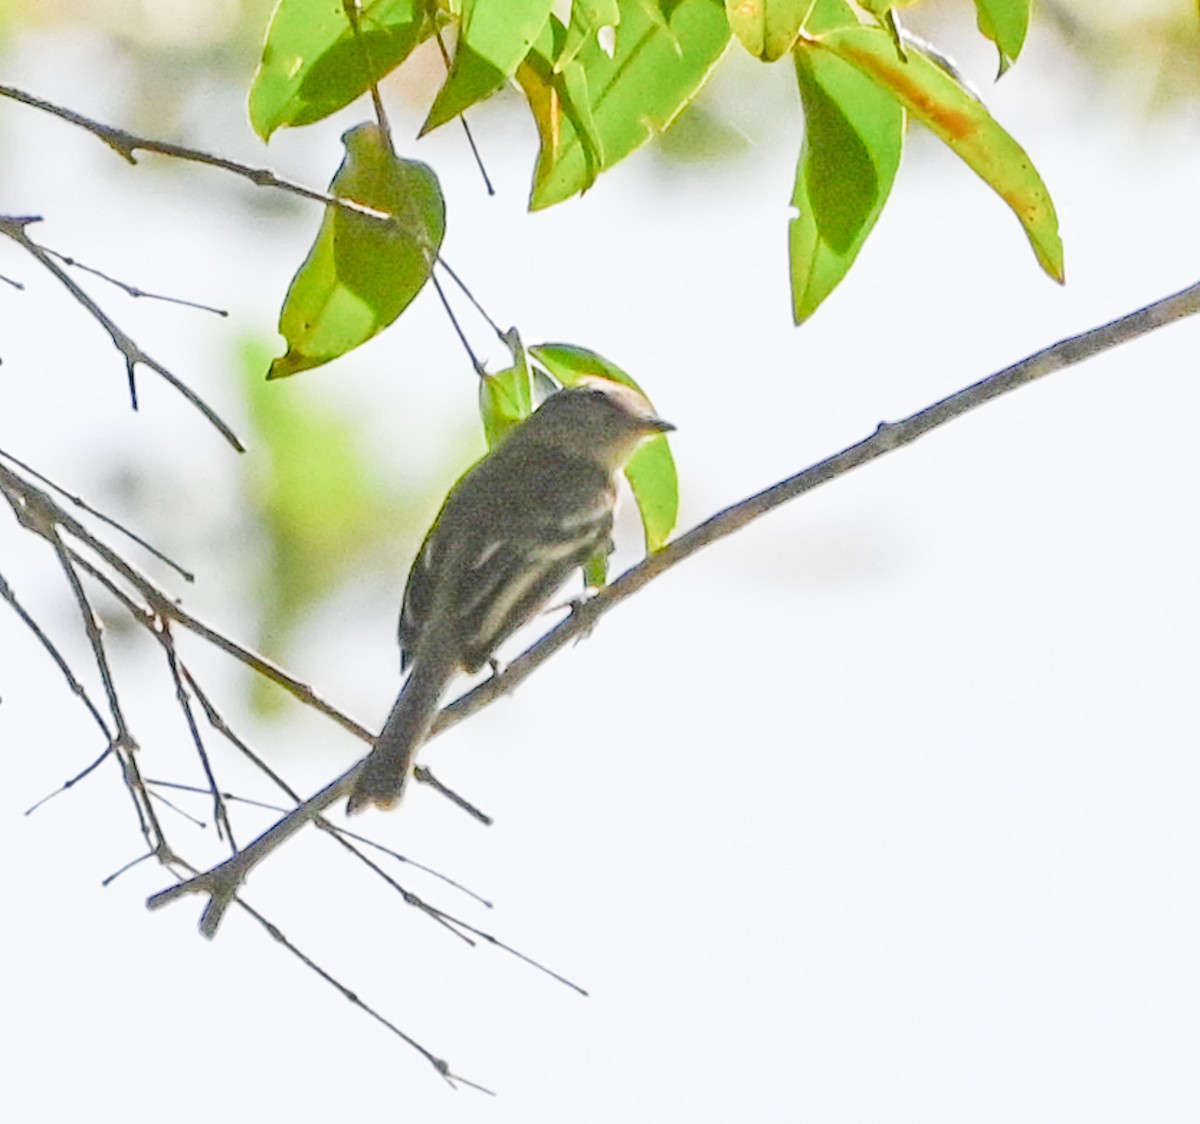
(383, 774)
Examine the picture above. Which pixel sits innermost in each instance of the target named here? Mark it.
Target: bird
(510, 532)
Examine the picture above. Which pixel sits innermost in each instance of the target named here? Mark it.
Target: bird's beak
(657, 425)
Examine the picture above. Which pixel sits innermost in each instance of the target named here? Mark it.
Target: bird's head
(597, 418)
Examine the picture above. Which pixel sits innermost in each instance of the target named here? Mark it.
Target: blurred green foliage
(317, 501)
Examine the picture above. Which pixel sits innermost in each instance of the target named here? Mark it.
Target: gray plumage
(510, 532)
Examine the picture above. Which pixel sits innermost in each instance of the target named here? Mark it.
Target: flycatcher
(510, 532)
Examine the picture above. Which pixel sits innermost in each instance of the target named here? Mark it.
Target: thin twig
(487, 183)
(26, 498)
(438, 1064)
(441, 1066)
(195, 821)
(219, 724)
(133, 290)
(423, 776)
(223, 881)
(479, 367)
(127, 867)
(353, 11)
(83, 505)
(127, 144)
(366, 841)
(124, 744)
(220, 812)
(87, 770)
(470, 296)
(77, 688)
(14, 228)
(466, 128)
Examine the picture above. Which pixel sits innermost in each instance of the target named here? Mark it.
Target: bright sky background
(883, 810)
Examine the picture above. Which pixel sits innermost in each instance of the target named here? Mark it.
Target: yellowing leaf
(767, 28)
(932, 95)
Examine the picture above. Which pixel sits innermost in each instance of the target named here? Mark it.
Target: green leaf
(312, 64)
(651, 471)
(1005, 23)
(853, 138)
(599, 109)
(555, 84)
(494, 37)
(361, 273)
(932, 95)
(317, 509)
(587, 18)
(767, 28)
(506, 398)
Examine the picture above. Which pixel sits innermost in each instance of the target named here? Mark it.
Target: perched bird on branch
(510, 532)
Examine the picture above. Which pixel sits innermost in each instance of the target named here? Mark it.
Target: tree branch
(127, 144)
(14, 228)
(221, 882)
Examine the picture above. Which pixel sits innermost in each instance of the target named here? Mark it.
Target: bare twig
(470, 296)
(126, 867)
(77, 688)
(14, 228)
(87, 770)
(127, 144)
(220, 812)
(221, 883)
(423, 776)
(26, 499)
(133, 290)
(438, 1064)
(170, 805)
(479, 367)
(277, 934)
(159, 627)
(324, 824)
(123, 744)
(83, 505)
(25, 496)
(353, 11)
(462, 117)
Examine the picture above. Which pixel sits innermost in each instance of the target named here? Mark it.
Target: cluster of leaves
(600, 80)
